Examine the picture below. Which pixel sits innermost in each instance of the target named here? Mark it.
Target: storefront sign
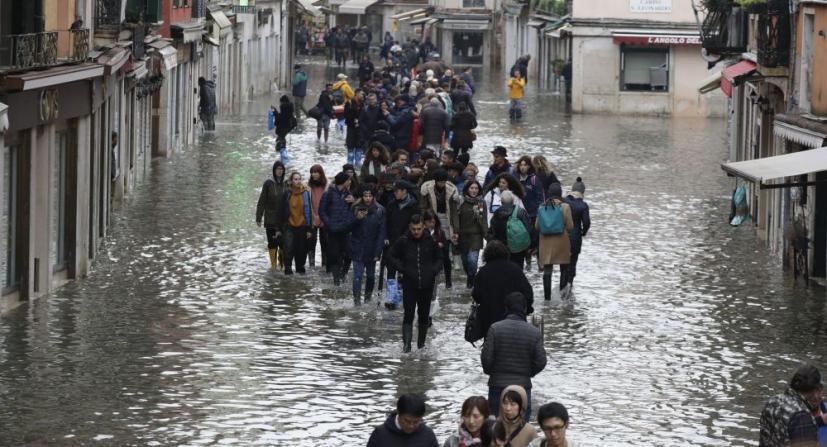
(661, 6)
(465, 24)
(656, 39)
(44, 106)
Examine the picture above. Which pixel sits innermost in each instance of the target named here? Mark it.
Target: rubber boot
(356, 298)
(407, 336)
(448, 275)
(420, 336)
(311, 258)
(470, 284)
(272, 253)
(547, 285)
(368, 291)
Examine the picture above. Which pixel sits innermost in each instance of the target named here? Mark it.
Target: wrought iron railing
(238, 9)
(724, 26)
(107, 13)
(40, 50)
(773, 34)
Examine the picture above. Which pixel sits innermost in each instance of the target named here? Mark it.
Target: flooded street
(680, 328)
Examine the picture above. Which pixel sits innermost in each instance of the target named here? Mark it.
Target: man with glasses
(404, 427)
(554, 421)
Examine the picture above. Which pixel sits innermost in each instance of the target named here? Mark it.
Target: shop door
(17, 189)
(820, 232)
(467, 49)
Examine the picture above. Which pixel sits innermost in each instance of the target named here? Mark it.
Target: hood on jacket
(504, 211)
(279, 164)
(521, 391)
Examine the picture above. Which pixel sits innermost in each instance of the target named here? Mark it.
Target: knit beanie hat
(441, 175)
(579, 186)
(341, 178)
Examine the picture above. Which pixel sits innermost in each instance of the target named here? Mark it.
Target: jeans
(354, 157)
(208, 120)
(494, 393)
(369, 269)
(470, 261)
(298, 102)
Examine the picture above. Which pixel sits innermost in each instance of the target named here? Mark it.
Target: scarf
(466, 438)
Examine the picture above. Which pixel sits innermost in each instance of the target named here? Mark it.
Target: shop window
(467, 47)
(644, 69)
(473, 3)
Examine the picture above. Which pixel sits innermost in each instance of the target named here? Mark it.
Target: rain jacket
(419, 260)
(516, 88)
(389, 435)
(299, 84)
(335, 212)
(368, 237)
(347, 92)
(269, 201)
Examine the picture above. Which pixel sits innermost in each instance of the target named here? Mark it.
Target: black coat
(462, 124)
(325, 104)
(387, 435)
(368, 117)
(458, 96)
(351, 115)
(399, 216)
(433, 122)
(419, 260)
(513, 352)
(498, 230)
(384, 137)
(494, 281)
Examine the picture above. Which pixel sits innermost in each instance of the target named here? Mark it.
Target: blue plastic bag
(392, 294)
(284, 157)
(271, 120)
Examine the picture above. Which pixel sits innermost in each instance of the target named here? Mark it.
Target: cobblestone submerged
(681, 326)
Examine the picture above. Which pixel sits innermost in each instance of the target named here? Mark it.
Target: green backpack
(517, 235)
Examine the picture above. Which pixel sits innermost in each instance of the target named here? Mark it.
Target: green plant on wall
(557, 7)
(750, 3)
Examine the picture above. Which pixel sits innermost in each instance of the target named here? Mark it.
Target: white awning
(800, 135)
(557, 32)
(355, 6)
(308, 6)
(710, 83)
(419, 21)
(170, 56)
(220, 19)
(762, 170)
(407, 15)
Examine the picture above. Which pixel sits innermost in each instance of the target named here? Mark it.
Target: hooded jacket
(269, 201)
(334, 211)
(347, 92)
(389, 435)
(368, 236)
(419, 260)
(299, 82)
(206, 94)
(519, 433)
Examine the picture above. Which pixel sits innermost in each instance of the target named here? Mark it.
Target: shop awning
(536, 23)
(210, 40)
(656, 37)
(710, 83)
(558, 32)
(308, 6)
(113, 60)
(800, 129)
(168, 53)
(408, 15)
(734, 73)
(763, 170)
(220, 19)
(419, 21)
(31, 80)
(467, 24)
(355, 6)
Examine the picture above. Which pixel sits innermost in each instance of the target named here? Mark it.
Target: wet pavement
(681, 326)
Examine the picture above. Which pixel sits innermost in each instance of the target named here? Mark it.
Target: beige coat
(556, 250)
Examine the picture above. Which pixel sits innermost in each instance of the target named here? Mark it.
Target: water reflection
(680, 328)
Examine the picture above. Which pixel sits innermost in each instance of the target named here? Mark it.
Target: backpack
(551, 220)
(517, 236)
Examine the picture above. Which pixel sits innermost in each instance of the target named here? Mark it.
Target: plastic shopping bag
(392, 294)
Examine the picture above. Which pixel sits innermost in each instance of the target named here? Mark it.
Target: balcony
(21, 52)
(773, 34)
(724, 27)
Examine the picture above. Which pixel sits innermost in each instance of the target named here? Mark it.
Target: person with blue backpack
(554, 223)
(535, 194)
(582, 222)
(511, 226)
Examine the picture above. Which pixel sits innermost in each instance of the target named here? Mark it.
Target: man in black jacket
(513, 352)
(404, 427)
(418, 258)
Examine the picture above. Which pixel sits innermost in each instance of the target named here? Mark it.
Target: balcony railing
(238, 9)
(724, 27)
(107, 13)
(773, 34)
(39, 50)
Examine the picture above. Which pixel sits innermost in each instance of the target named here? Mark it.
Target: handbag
(315, 112)
(473, 325)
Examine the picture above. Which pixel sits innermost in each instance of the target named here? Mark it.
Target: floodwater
(680, 328)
